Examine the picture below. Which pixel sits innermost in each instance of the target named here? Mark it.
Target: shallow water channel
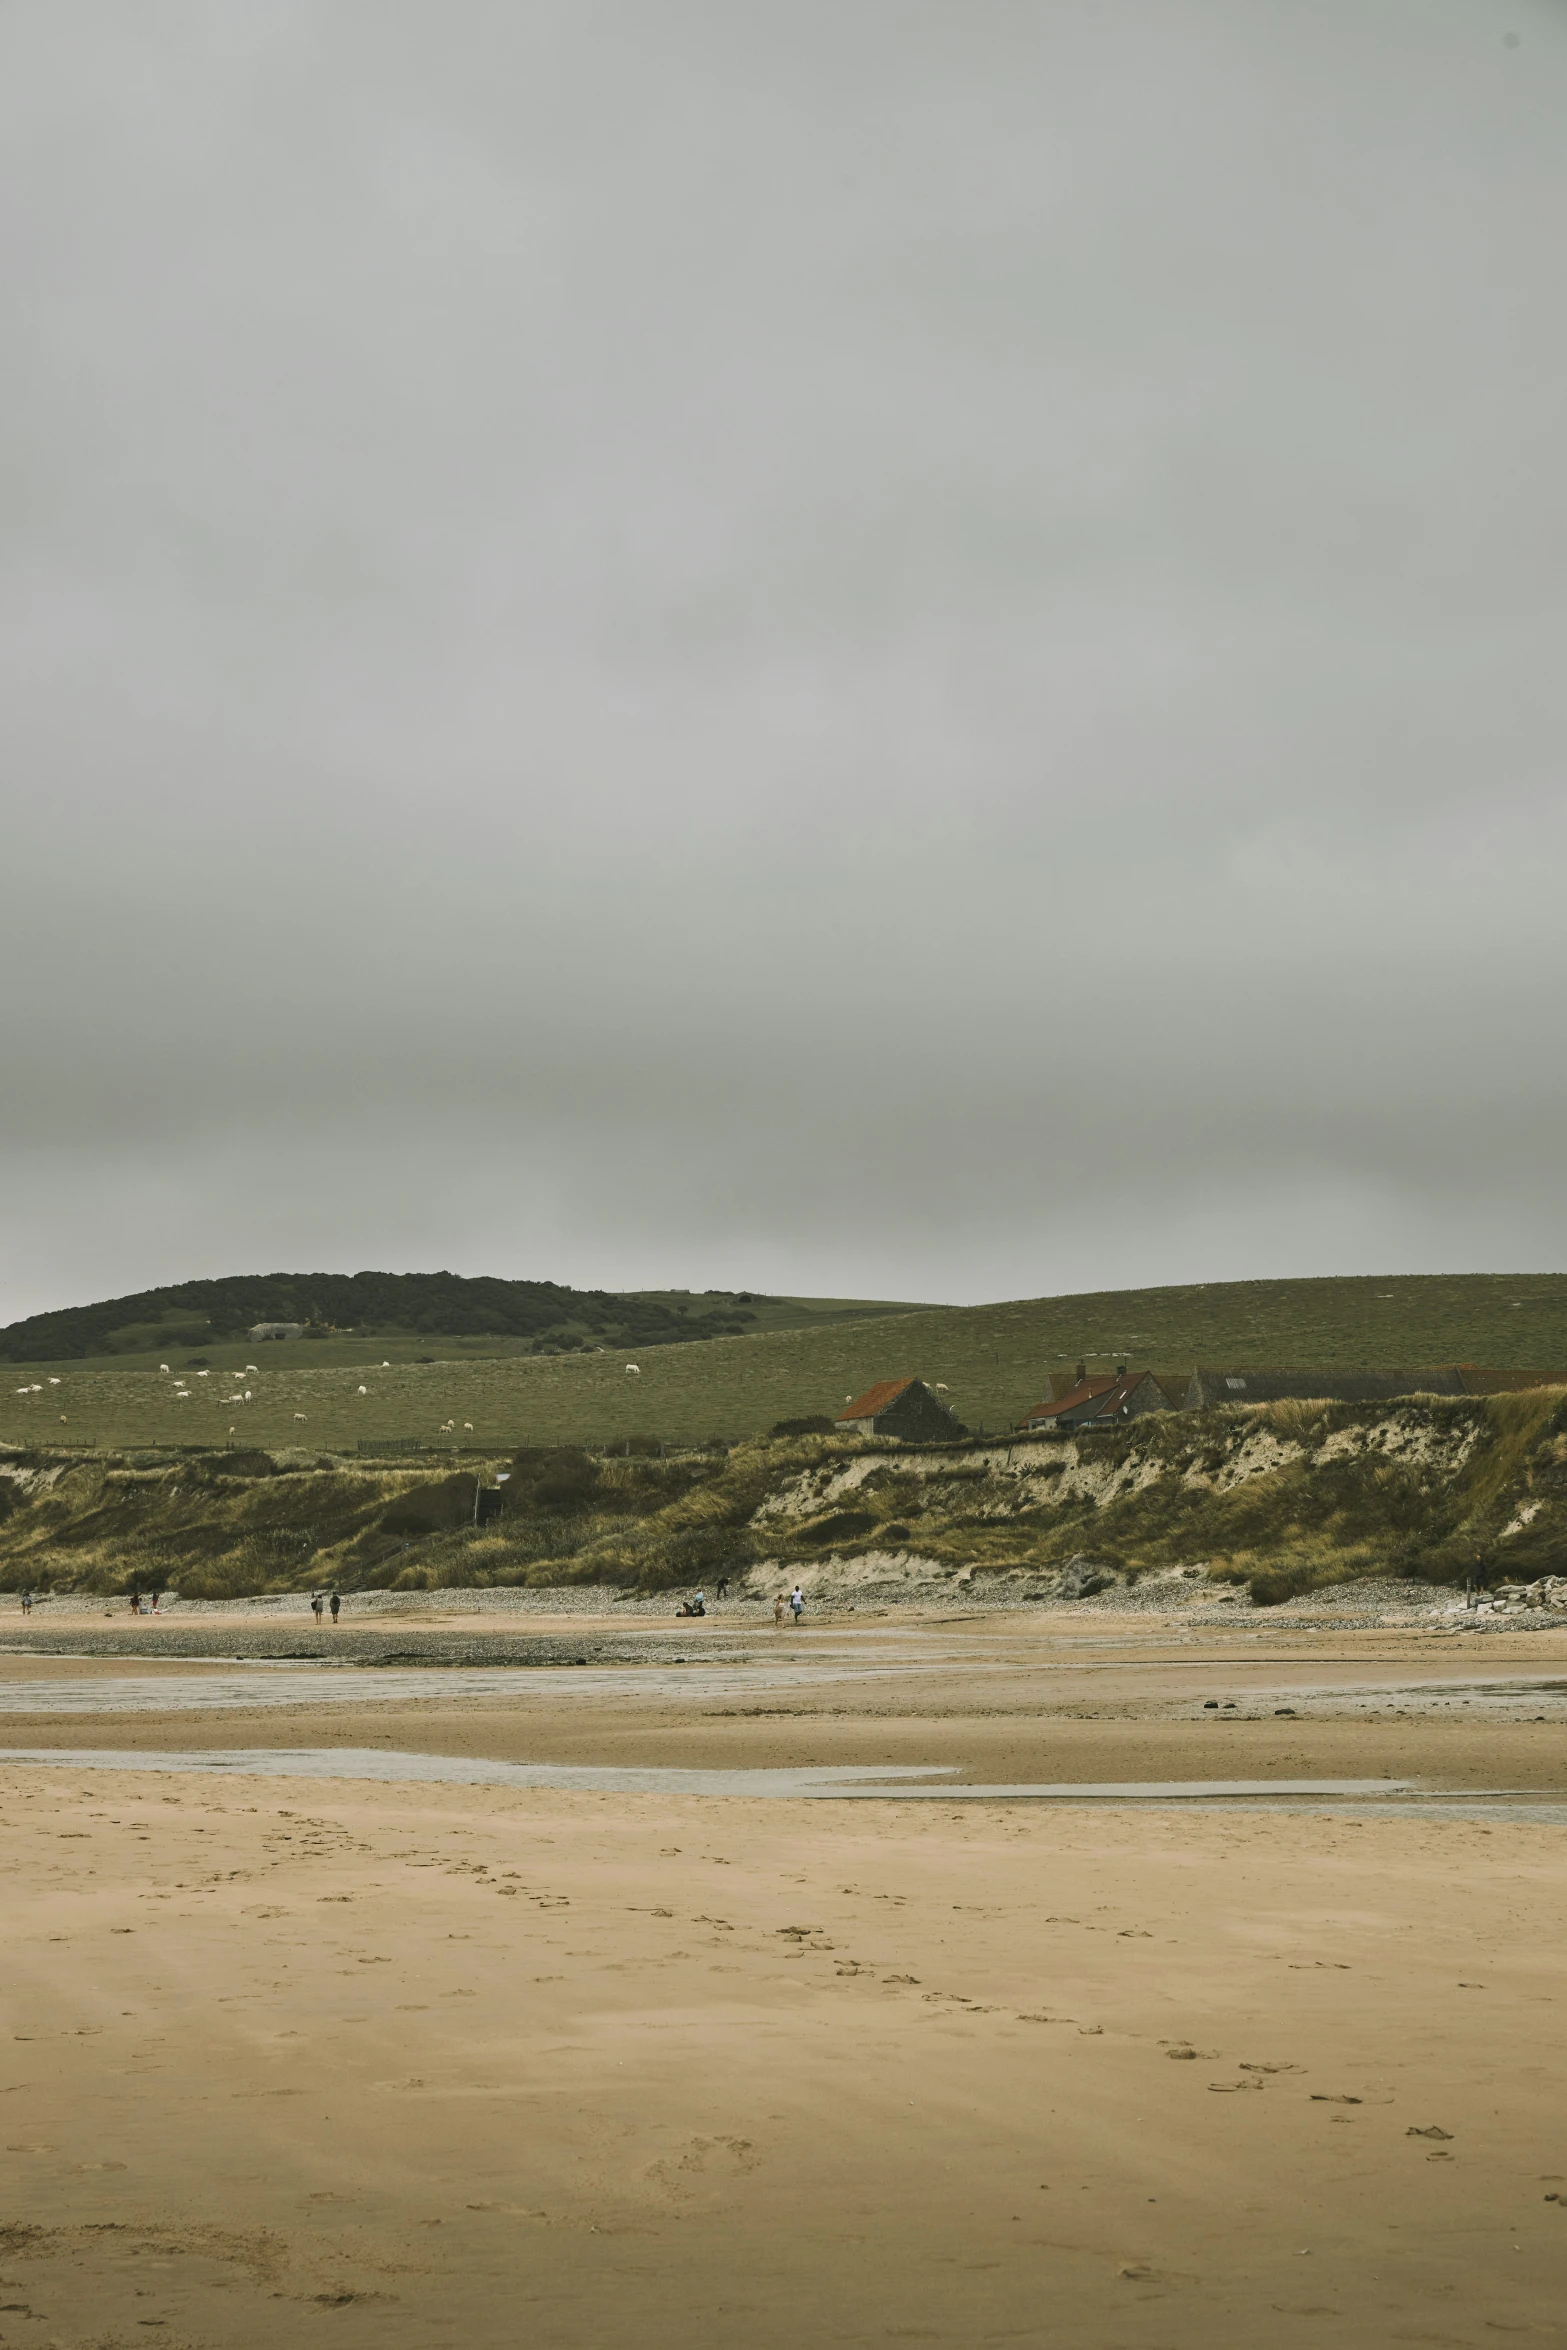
(883, 1783)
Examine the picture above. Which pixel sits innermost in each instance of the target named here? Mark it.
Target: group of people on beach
(696, 1605)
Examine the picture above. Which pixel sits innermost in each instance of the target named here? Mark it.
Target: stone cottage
(1103, 1403)
(905, 1408)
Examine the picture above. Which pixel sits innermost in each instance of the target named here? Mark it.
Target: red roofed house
(1102, 1403)
(904, 1408)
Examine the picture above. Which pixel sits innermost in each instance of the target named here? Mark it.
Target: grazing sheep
(204, 1374)
(256, 1367)
(941, 1387)
(467, 1427)
(299, 1415)
(163, 1366)
(364, 1390)
(182, 1395)
(386, 1366)
(247, 1395)
(634, 1370)
(53, 1381)
(62, 1420)
(36, 1389)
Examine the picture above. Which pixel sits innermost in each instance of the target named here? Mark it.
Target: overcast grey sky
(854, 645)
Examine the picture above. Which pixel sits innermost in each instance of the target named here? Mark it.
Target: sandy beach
(390, 2060)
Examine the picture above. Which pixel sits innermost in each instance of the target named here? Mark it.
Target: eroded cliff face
(1277, 1497)
(1273, 1496)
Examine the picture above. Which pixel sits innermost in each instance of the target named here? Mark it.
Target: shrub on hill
(432, 1509)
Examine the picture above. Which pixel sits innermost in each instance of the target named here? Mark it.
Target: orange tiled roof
(1085, 1392)
(875, 1399)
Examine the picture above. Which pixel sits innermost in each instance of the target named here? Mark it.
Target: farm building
(1103, 1402)
(904, 1408)
(1210, 1387)
(260, 1330)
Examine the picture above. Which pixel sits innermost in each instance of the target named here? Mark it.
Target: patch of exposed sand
(409, 2063)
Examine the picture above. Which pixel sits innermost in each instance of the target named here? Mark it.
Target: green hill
(993, 1360)
(410, 1309)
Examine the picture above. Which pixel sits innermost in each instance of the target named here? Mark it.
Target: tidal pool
(891, 1782)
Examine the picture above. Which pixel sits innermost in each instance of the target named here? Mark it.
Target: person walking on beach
(315, 1605)
(797, 1605)
(135, 1601)
(722, 1589)
(27, 1603)
(778, 1612)
(336, 1604)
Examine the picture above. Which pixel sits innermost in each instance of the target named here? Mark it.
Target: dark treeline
(421, 1304)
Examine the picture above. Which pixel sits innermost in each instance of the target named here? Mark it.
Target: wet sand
(385, 2063)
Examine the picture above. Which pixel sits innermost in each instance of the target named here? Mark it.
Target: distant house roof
(1096, 1399)
(1267, 1384)
(1086, 1391)
(1478, 1381)
(875, 1400)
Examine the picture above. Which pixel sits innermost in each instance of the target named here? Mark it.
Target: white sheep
(364, 1390)
(468, 1427)
(941, 1387)
(62, 1419)
(634, 1370)
(299, 1415)
(163, 1366)
(247, 1395)
(182, 1395)
(53, 1381)
(249, 1367)
(204, 1374)
(36, 1389)
(386, 1366)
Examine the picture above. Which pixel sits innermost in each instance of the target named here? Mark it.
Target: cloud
(827, 648)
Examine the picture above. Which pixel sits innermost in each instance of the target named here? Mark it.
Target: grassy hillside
(993, 1359)
(413, 1310)
(631, 1322)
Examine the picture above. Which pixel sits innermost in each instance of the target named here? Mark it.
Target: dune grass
(1434, 1487)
